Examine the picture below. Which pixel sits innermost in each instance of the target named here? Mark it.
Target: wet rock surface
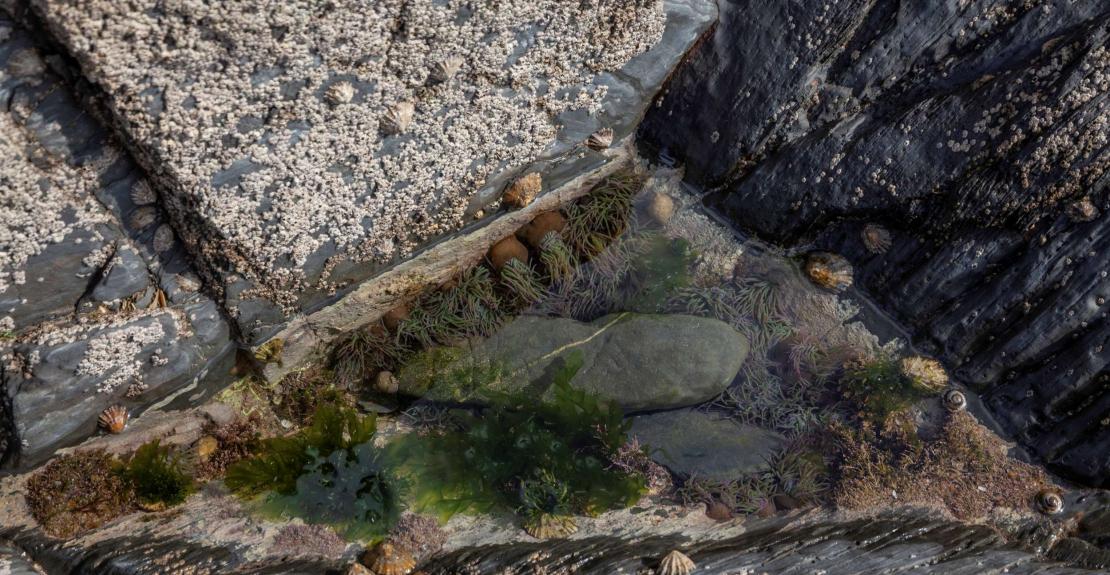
(301, 153)
(694, 443)
(975, 134)
(98, 303)
(643, 362)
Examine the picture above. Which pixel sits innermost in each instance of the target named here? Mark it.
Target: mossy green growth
(328, 473)
(158, 476)
(660, 271)
(878, 388)
(525, 455)
(448, 374)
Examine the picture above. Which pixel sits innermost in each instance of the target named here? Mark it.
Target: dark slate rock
(693, 443)
(969, 133)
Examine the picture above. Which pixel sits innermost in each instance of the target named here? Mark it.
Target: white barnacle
(398, 117)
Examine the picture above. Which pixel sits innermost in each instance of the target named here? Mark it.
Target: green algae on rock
(537, 457)
(158, 476)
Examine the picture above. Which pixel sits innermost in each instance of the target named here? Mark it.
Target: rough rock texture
(695, 443)
(287, 193)
(975, 133)
(643, 362)
(97, 303)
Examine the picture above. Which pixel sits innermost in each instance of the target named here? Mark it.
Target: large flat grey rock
(642, 362)
(694, 443)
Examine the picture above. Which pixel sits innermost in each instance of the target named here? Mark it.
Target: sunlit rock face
(976, 134)
(98, 304)
(303, 146)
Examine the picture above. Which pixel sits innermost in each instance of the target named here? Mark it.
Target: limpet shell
(398, 118)
(875, 238)
(547, 526)
(829, 270)
(114, 419)
(675, 563)
(388, 559)
(600, 139)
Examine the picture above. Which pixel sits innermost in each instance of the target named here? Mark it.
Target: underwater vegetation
(541, 459)
(795, 478)
(301, 393)
(882, 387)
(362, 353)
(328, 472)
(469, 307)
(601, 216)
(77, 492)
(966, 469)
(450, 374)
(234, 442)
(158, 476)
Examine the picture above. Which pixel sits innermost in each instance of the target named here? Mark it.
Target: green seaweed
(878, 388)
(158, 476)
(661, 269)
(329, 472)
(523, 454)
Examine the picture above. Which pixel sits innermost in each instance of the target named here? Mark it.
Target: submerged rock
(695, 443)
(643, 362)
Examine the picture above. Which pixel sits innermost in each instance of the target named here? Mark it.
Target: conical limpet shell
(143, 217)
(600, 139)
(114, 419)
(446, 69)
(875, 238)
(388, 559)
(675, 563)
(398, 118)
(142, 194)
(1082, 210)
(547, 526)
(829, 270)
(341, 92)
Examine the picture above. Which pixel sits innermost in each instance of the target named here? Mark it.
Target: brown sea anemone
(925, 373)
(385, 382)
(114, 419)
(548, 526)
(829, 270)
(875, 238)
(533, 232)
(523, 191)
(395, 316)
(507, 250)
(387, 559)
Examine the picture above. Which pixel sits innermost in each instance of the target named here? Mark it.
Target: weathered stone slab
(273, 126)
(693, 443)
(98, 304)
